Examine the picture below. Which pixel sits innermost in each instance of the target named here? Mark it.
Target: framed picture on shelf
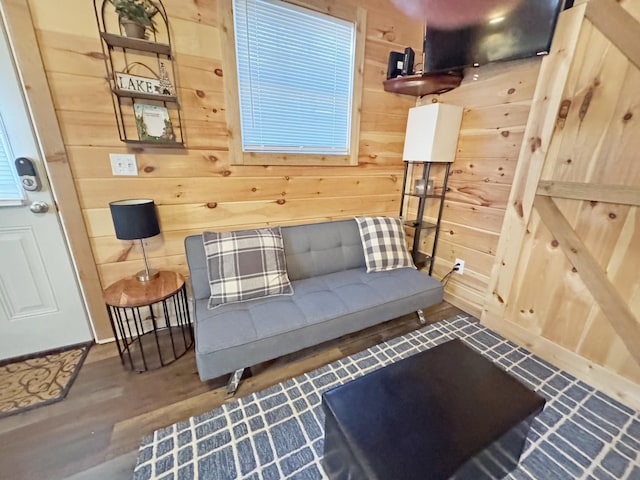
(153, 123)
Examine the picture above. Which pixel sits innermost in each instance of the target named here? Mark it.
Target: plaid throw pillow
(245, 264)
(384, 243)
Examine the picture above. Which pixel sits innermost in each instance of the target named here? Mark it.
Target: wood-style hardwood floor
(95, 432)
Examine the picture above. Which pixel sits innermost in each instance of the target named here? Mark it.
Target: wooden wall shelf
(145, 96)
(158, 144)
(153, 52)
(114, 40)
(419, 85)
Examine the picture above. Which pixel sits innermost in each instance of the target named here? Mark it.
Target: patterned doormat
(278, 432)
(33, 381)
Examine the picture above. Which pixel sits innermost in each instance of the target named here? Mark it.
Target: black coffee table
(442, 412)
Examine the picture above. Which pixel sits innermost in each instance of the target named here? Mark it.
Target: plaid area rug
(34, 381)
(278, 432)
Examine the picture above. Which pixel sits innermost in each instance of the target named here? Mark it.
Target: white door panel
(41, 306)
(24, 288)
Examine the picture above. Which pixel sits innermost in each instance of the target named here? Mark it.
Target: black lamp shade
(134, 219)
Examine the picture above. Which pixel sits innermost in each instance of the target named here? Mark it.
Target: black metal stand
(421, 259)
(152, 342)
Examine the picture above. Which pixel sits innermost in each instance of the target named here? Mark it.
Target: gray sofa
(333, 296)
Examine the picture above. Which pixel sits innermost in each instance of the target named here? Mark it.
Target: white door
(40, 303)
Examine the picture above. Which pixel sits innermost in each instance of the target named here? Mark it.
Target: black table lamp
(136, 219)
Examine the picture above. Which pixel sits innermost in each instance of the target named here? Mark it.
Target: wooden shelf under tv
(419, 85)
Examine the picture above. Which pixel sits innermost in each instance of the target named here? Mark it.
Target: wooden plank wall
(496, 100)
(196, 188)
(570, 290)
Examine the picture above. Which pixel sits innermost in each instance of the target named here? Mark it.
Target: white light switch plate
(123, 164)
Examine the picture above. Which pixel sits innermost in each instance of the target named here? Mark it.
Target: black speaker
(395, 65)
(407, 64)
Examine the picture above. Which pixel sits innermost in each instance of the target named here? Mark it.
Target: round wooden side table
(146, 342)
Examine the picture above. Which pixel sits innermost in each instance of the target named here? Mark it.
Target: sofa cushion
(321, 248)
(323, 307)
(245, 264)
(384, 243)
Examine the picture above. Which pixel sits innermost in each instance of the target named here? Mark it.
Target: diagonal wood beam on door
(621, 194)
(617, 25)
(603, 291)
(538, 135)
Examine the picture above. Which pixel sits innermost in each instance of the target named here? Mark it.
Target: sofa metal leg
(234, 381)
(421, 318)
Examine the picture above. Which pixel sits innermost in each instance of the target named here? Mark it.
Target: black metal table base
(157, 340)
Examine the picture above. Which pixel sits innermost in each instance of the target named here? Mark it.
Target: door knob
(39, 207)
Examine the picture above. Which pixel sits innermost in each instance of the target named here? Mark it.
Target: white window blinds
(295, 78)
(10, 188)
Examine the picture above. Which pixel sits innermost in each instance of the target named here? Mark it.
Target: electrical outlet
(123, 164)
(460, 264)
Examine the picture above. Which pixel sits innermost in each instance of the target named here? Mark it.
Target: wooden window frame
(358, 16)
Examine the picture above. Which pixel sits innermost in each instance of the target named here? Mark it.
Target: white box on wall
(432, 133)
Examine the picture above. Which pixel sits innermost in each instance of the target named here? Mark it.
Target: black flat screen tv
(525, 31)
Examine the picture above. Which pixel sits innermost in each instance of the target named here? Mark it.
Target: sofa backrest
(311, 250)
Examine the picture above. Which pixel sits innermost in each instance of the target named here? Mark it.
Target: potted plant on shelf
(135, 16)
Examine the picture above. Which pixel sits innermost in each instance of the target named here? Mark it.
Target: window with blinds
(10, 188)
(295, 78)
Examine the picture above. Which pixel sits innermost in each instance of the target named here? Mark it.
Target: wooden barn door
(567, 278)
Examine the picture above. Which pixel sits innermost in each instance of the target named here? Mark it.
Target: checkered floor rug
(278, 432)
